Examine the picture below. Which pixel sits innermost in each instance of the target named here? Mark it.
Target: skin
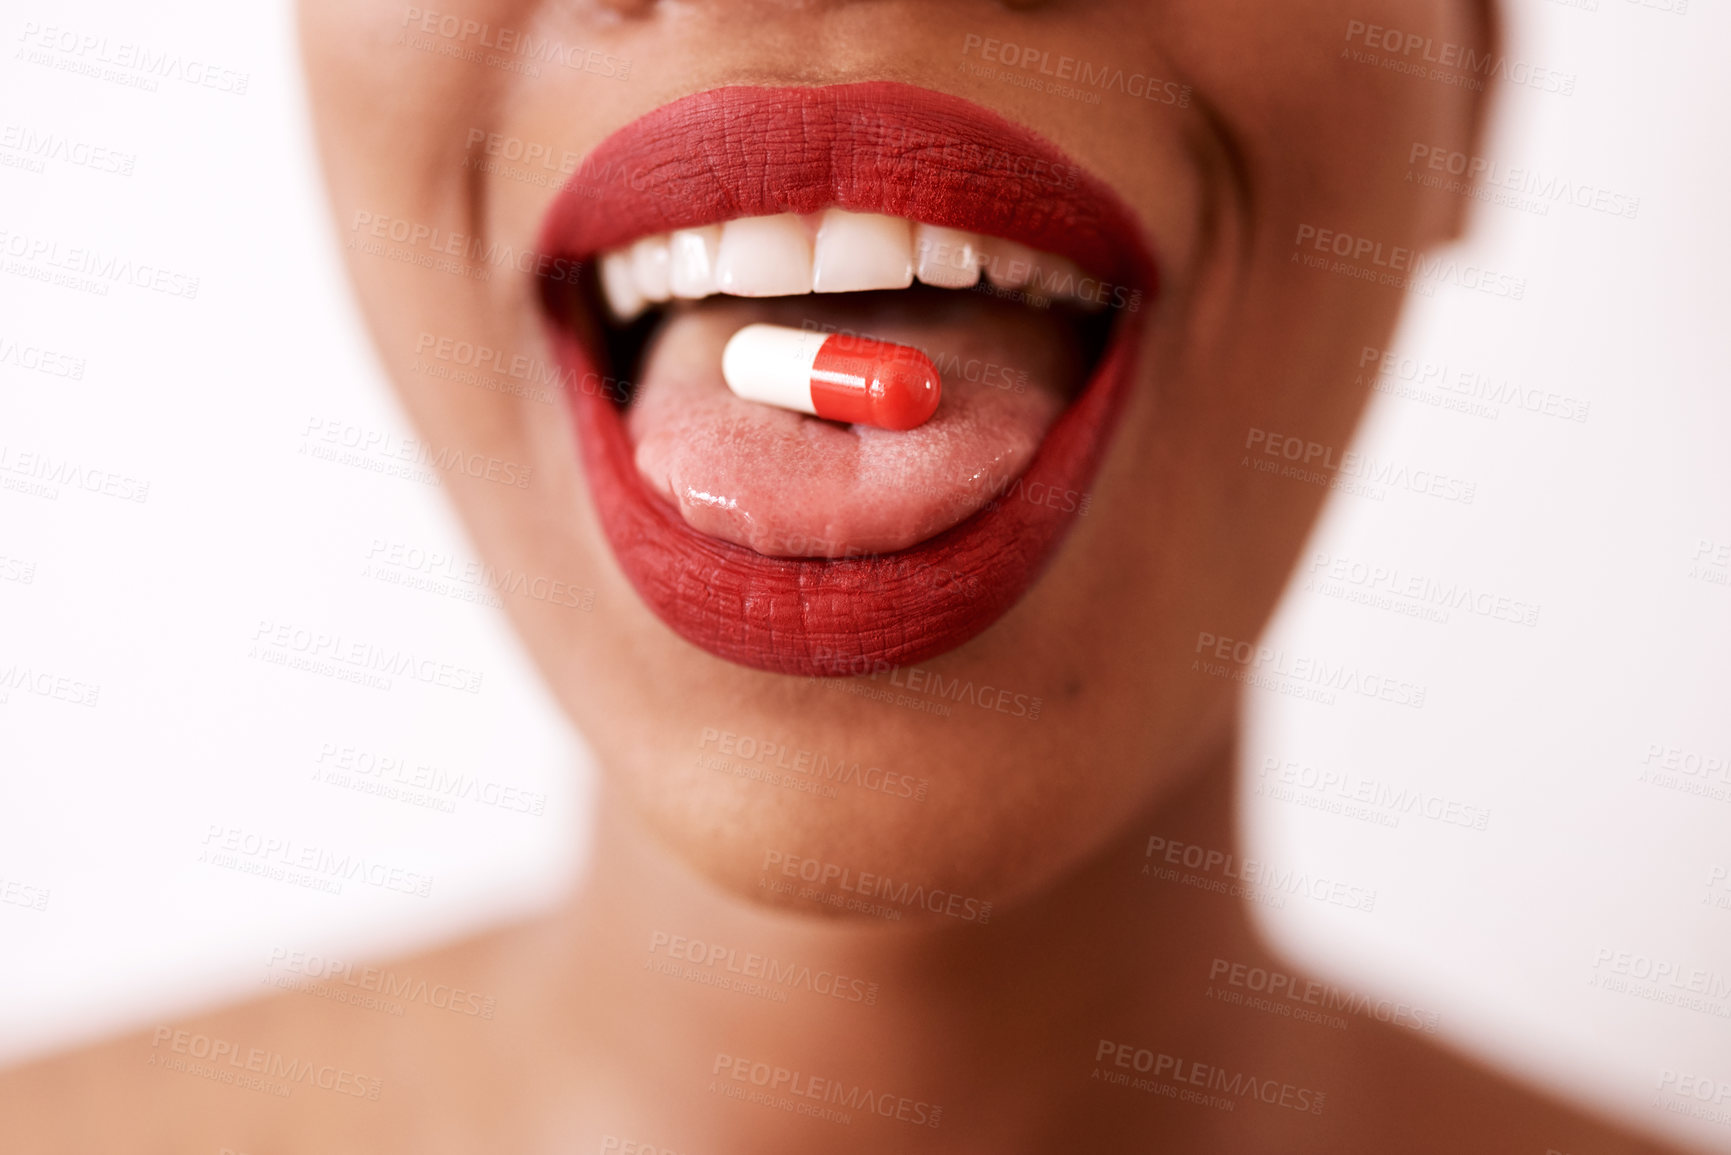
(1001, 1023)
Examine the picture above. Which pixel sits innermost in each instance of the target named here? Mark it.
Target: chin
(890, 663)
(936, 793)
(873, 697)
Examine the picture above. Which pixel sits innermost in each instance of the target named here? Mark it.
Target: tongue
(789, 485)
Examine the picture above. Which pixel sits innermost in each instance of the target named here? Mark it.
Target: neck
(731, 1025)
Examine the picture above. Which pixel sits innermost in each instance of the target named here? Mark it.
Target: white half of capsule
(772, 364)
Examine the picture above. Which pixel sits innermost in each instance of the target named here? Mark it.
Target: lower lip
(853, 615)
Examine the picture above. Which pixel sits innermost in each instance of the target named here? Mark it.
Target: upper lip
(698, 162)
(878, 147)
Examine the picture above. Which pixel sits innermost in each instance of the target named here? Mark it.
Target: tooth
(1009, 265)
(764, 257)
(1065, 278)
(860, 251)
(1058, 275)
(649, 266)
(1045, 280)
(948, 258)
(691, 267)
(619, 285)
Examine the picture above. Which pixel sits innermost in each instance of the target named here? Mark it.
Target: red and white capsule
(841, 378)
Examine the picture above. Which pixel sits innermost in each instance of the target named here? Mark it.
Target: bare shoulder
(367, 1057)
(1425, 1097)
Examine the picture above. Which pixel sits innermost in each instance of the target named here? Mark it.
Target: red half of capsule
(859, 380)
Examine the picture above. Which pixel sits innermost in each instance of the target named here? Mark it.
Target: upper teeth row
(833, 252)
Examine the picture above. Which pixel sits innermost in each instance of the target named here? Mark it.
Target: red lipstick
(877, 147)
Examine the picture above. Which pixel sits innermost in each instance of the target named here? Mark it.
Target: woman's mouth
(803, 546)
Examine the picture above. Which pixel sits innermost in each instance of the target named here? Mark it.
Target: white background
(1546, 727)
